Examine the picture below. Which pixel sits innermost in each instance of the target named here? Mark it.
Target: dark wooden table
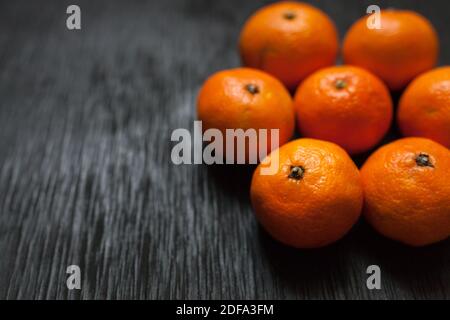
(86, 176)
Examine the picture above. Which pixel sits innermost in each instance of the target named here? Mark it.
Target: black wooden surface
(86, 176)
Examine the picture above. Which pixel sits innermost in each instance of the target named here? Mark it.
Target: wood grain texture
(86, 176)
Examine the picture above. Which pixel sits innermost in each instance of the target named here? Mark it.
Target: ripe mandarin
(345, 105)
(407, 191)
(404, 46)
(424, 108)
(314, 198)
(246, 98)
(289, 40)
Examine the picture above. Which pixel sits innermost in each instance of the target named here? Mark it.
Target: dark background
(86, 176)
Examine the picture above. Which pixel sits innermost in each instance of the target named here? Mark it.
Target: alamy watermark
(73, 21)
(374, 18)
(74, 279)
(374, 280)
(237, 146)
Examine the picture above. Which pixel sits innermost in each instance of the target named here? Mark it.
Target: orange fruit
(314, 198)
(405, 45)
(407, 191)
(245, 98)
(424, 108)
(289, 40)
(345, 105)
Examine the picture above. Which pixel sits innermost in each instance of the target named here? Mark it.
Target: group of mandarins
(318, 193)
